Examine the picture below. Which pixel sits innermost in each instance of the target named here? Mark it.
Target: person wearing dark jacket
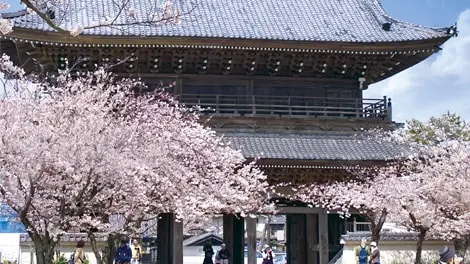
(224, 254)
(208, 253)
(123, 253)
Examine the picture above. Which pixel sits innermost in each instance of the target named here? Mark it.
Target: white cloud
(437, 85)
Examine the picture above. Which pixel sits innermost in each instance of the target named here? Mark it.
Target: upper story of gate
(246, 62)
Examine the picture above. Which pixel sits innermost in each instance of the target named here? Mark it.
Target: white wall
(397, 252)
(66, 249)
(9, 246)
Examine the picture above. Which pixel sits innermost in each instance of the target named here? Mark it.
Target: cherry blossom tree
(365, 193)
(448, 127)
(432, 198)
(86, 148)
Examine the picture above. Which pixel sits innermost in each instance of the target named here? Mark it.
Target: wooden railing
(358, 226)
(292, 106)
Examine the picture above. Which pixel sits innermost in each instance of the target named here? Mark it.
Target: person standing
(224, 254)
(208, 253)
(268, 255)
(374, 253)
(447, 256)
(79, 254)
(136, 252)
(362, 252)
(123, 253)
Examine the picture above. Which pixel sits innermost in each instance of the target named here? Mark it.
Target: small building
(192, 247)
(10, 229)
(282, 80)
(9, 222)
(395, 247)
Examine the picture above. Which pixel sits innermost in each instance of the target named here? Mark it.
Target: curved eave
(60, 39)
(319, 164)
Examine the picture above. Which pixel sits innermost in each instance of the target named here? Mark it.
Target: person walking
(362, 252)
(136, 252)
(208, 253)
(78, 256)
(374, 253)
(123, 253)
(447, 256)
(268, 255)
(224, 254)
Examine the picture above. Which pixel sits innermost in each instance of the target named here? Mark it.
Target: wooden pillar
(234, 233)
(251, 237)
(323, 237)
(312, 238)
(307, 236)
(170, 240)
(296, 239)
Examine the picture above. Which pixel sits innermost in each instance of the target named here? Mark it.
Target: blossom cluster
(88, 148)
(426, 190)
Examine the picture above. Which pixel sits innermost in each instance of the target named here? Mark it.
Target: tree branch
(44, 17)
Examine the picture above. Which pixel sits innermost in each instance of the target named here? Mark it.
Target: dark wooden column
(306, 235)
(234, 234)
(296, 239)
(170, 240)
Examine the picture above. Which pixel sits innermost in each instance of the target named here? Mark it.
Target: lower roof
(320, 147)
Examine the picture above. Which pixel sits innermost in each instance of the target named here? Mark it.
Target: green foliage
(449, 126)
(61, 260)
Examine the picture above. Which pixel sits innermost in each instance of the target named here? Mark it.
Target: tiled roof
(313, 147)
(302, 20)
(6, 210)
(196, 239)
(384, 236)
(70, 237)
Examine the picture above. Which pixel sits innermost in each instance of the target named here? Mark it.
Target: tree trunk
(462, 245)
(376, 224)
(98, 256)
(419, 245)
(263, 238)
(44, 249)
(268, 230)
(110, 249)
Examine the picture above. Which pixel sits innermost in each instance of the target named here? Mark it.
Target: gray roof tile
(69, 237)
(303, 20)
(384, 236)
(312, 147)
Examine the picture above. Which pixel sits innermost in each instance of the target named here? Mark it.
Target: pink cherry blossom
(85, 149)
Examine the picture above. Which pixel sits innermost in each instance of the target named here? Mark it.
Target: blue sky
(440, 83)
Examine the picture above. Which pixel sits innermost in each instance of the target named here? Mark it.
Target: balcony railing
(358, 226)
(291, 106)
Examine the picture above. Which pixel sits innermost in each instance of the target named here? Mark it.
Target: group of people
(128, 254)
(222, 256)
(371, 254)
(367, 254)
(125, 254)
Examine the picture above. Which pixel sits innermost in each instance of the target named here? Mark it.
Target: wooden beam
(42, 36)
(298, 210)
